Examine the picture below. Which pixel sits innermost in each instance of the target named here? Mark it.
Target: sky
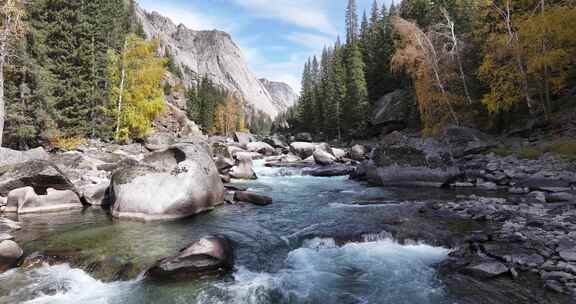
(276, 36)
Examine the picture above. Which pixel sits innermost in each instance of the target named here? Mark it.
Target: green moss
(562, 148)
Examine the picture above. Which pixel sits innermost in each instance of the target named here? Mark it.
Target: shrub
(67, 143)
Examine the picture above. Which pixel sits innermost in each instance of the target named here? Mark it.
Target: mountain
(282, 94)
(211, 53)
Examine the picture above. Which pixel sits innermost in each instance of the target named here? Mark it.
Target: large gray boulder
(358, 153)
(175, 183)
(413, 161)
(25, 200)
(303, 149)
(463, 140)
(11, 157)
(393, 110)
(243, 168)
(323, 158)
(38, 174)
(207, 257)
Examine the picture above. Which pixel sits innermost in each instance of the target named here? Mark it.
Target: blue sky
(276, 36)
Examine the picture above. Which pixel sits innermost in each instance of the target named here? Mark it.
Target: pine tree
(338, 79)
(306, 101)
(351, 22)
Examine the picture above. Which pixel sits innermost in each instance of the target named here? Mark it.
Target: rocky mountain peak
(282, 94)
(214, 54)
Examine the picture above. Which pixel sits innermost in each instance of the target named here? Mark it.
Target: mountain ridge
(214, 54)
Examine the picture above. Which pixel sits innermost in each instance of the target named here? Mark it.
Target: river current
(321, 241)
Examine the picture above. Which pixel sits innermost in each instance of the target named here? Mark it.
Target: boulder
(224, 164)
(243, 138)
(26, 200)
(207, 257)
(95, 194)
(159, 141)
(261, 147)
(358, 153)
(253, 198)
(393, 110)
(10, 254)
(464, 141)
(38, 174)
(339, 153)
(175, 183)
(11, 157)
(276, 142)
(412, 161)
(304, 136)
(323, 158)
(243, 168)
(303, 149)
(232, 150)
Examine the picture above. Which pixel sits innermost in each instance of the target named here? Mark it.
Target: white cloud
(311, 41)
(187, 16)
(302, 13)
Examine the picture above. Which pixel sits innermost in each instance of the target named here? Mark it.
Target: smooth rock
(323, 158)
(243, 138)
(303, 149)
(358, 153)
(243, 168)
(26, 200)
(261, 147)
(487, 269)
(176, 183)
(38, 174)
(10, 253)
(253, 198)
(210, 256)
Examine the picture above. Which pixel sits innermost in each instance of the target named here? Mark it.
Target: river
(323, 240)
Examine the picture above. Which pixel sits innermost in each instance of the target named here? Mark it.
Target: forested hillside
(487, 64)
(86, 69)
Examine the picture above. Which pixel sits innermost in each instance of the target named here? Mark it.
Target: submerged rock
(176, 183)
(329, 171)
(25, 200)
(253, 198)
(209, 256)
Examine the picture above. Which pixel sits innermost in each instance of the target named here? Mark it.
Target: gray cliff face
(282, 94)
(211, 53)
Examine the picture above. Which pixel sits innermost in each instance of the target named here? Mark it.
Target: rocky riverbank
(522, 213)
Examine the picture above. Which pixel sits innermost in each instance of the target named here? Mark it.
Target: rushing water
(289, 252)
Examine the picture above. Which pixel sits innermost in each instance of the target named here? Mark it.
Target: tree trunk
(120, 95)
(2, 106)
